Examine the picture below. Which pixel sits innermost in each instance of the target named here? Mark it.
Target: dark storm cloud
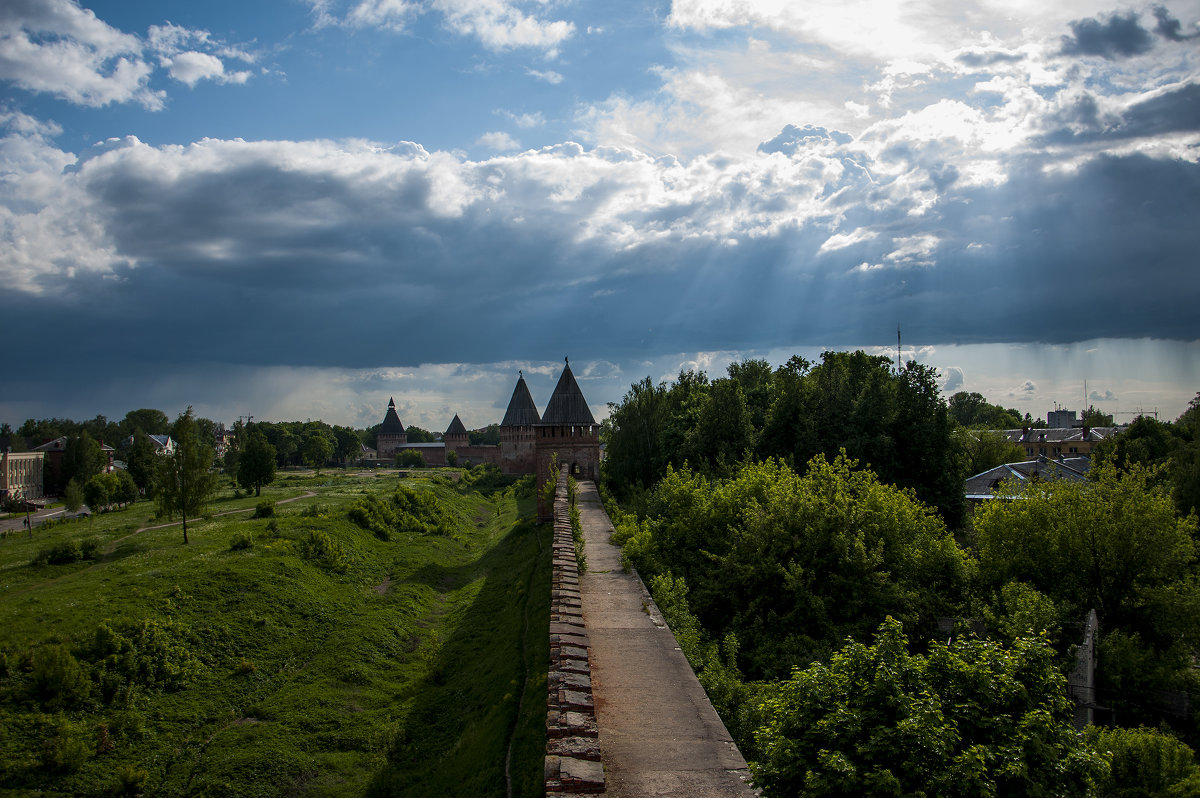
(244, 257)
(1168, 27)
(1121, 36)
(1170, 112)
(985, 58)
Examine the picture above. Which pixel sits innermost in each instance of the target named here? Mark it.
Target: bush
(264, 509)
(1144, 762)
(324, 551)
(61, 553)
(129, 780)
(59, 680)
(240, 541)
(89, 548)
(67, 748)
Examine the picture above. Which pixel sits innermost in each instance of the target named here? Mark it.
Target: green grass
(386, 667)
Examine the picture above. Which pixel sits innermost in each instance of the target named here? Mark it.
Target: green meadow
(374, 636)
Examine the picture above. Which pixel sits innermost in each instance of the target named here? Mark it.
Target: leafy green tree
(141, 460)
(966, 719)
(348, 444)
(633, 434)
(98, 491)
(1107, 544)
(419, 435)
(1143, 763)
(73, 496)
(1096, 418)
(451, 458)
(984, 449)
(971, 409)
(184, 481)
(488, 437)
(410, 458)
(1185, 459)
(793, 564)
(149, 421)
(256, 465)
(126, 491)
(82, 458)
(317, 450)
(723, 433)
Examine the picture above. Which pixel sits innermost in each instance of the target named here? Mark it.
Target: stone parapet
(573, 764)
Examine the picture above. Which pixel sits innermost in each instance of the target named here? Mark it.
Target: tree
(82, 458)
(73, 496)
(98, 491)
(984, 449)
(184, 480)
(126, 491)
(410, 458)
(317, 450)
(149, 421)
(348, 444)
(256, 464)
(973, 410)
(1096, 418)
(418, 435)
(142, 461)
(451, 458)
(969, 718)
(791, 564)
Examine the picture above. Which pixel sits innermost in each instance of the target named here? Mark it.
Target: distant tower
(518, 442)
(391, 434)
(456, 436)
(569, 430)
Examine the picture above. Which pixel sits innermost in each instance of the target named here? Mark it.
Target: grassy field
(296, 655)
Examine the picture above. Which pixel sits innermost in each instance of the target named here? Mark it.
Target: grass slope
(319, 660)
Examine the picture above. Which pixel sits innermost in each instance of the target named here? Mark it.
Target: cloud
(498, 25)
(499, 141)
(56, 47)
(1168, 27)
(192, 67)
(546, 76)
(1122, 36)
(1107, 396)
(952, 379)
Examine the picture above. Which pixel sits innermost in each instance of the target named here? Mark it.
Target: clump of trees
(895, 422)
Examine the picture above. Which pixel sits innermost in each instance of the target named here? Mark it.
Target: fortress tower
(456, 436)
(518, 443)
(569, 430)
(391, 434)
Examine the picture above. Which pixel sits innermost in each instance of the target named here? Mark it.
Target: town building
(1056, 441)
(21, 474)
(988, 484)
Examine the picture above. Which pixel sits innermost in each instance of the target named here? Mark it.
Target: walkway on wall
(658, 733)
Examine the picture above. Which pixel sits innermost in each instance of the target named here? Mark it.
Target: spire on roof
(456, 427)
(522, 412)
(567, 405)
(391, 422)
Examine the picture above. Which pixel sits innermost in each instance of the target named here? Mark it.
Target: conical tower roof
(391, 421)
(567, 405)
(456, 427)
(522, 412)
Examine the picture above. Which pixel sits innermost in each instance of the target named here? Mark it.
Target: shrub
(61, 553)
(89, 548)
(129, 780)
(240, 541)
(264, 509)
(324, 551)
(1144, 762)
(67, 748)
(312, 511)
(148, 654)
(58, 678)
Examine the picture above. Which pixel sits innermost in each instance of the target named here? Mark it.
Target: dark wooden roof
(567, 405)
(391, 421)
(522, 412)
(456, 427)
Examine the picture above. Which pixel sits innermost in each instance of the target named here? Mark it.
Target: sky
(298, 209)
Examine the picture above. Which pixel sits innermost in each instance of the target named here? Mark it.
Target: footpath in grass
(379, 636)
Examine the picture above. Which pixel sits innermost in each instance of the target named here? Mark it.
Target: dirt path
(113, 546)
(110, 548)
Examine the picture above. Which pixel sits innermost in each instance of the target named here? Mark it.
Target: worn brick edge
(573, 764)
